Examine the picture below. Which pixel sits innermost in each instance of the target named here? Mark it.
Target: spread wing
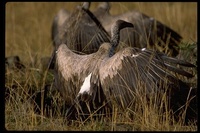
(81, 32)
(132, 69)
(147, 31)
(71, 71)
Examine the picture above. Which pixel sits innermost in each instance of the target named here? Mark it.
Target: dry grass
(28, 35)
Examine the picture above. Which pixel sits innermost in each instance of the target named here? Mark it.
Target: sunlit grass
(28, 35)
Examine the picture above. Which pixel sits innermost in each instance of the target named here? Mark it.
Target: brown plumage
(148, 32)
(116, 75)
(69, 75)
(82, 32)
(63, 16)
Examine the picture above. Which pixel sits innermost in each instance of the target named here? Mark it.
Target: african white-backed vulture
(148, 31)
(109, 75)
(60, 18)
(81, 32)
(68, 72)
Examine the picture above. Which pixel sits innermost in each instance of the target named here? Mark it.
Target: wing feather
(147, 32)
(131, 70)
(69, 77)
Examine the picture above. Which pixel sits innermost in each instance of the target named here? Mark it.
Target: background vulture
(148, 32)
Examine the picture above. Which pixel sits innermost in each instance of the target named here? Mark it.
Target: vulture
(58, 20)
(148, 32)
(114, 77)
(69, 77)
(81, 32)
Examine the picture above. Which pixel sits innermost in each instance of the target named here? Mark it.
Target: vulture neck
(115, 36)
